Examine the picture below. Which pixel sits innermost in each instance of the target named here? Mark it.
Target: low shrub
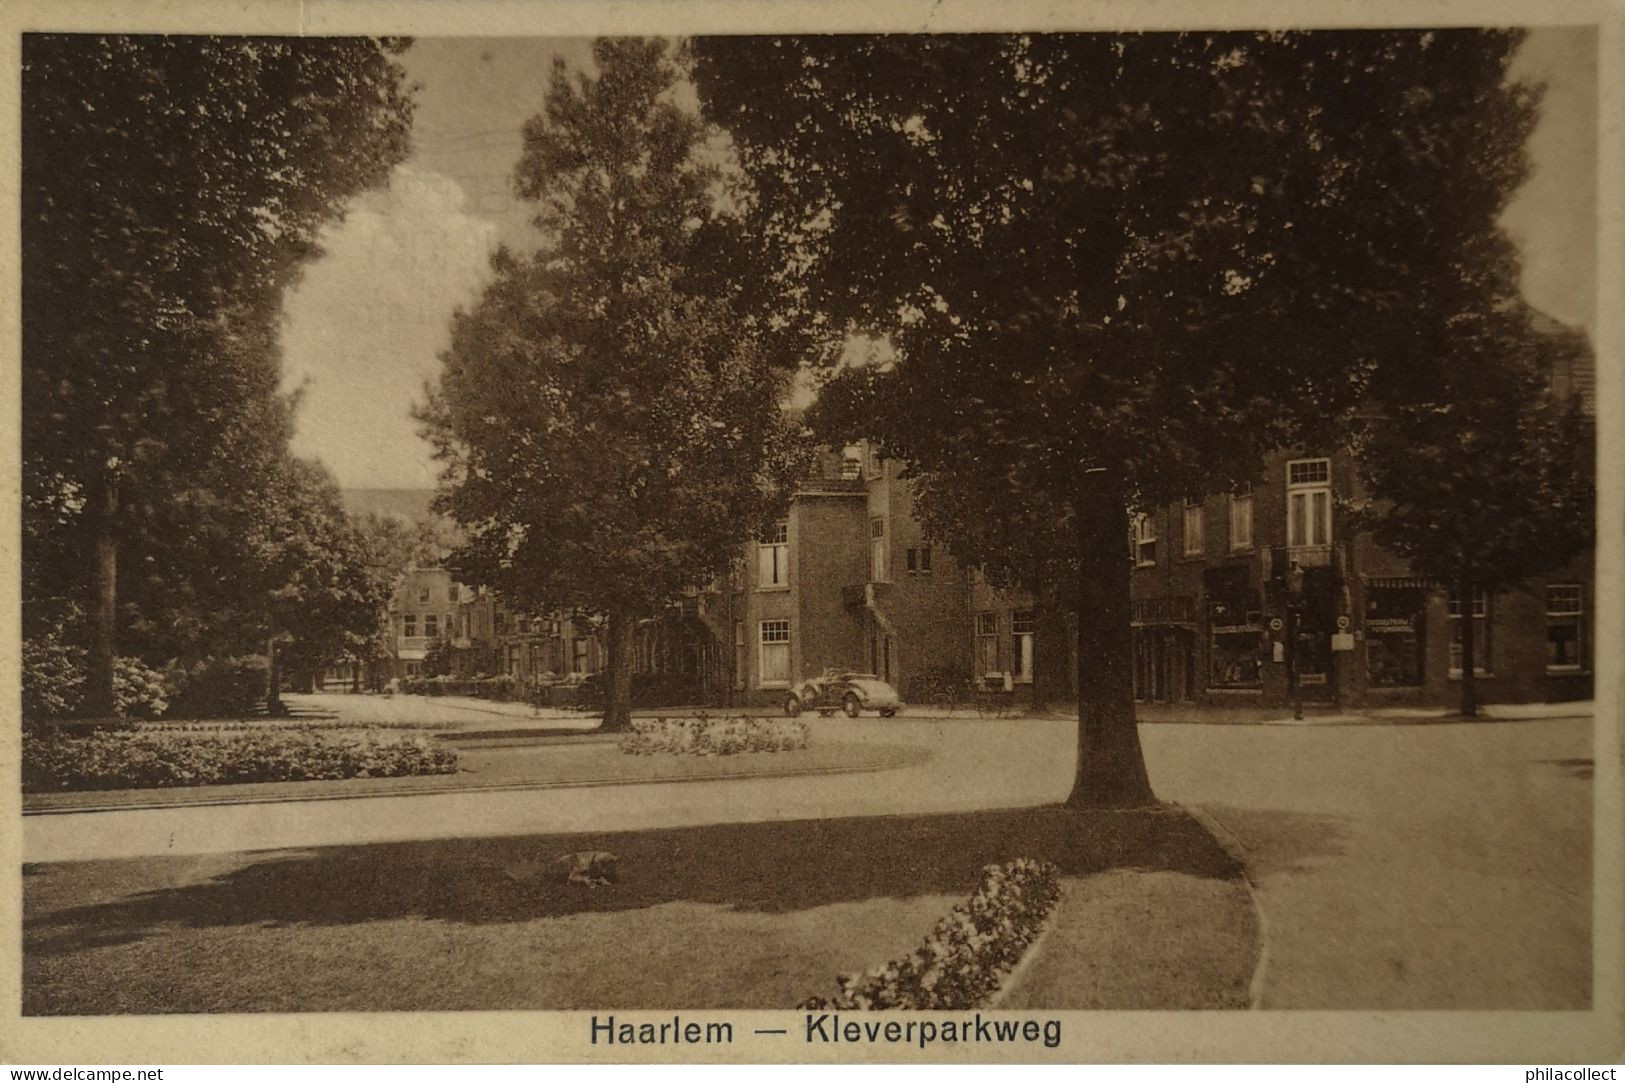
(220, 688)
(53, 678)
(502, 688)
(141, 691)
(706, 736)
(968, 955)
(143, 758)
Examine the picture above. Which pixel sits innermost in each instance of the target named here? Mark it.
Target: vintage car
(849, 692)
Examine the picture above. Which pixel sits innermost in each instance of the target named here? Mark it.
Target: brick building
(1229, 590)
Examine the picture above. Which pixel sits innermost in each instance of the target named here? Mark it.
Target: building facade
(1237, 593)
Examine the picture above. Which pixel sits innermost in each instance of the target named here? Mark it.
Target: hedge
(140, 759)
(968, 955)
(705, 736)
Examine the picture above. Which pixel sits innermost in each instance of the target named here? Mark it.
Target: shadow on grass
(767, 867)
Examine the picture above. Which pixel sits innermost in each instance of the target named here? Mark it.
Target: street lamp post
(1294, 612)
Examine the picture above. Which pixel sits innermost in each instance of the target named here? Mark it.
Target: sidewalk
(1323, 715)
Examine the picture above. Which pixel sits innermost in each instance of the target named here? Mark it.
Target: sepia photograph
(783, 542)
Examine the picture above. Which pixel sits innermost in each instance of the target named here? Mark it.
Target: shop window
(1393, 636)
(1565, 628)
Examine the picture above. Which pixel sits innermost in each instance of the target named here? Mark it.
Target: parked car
(849, 692)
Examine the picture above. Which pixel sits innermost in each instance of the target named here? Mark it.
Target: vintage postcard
(813, 533)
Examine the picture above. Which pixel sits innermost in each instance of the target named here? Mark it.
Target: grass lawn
(555, 761)
(732, 916)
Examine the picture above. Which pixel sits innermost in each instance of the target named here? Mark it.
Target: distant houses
(1232, 595)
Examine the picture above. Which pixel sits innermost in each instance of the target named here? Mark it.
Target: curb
(499, 787)
(1238, 853)
(1024, 964)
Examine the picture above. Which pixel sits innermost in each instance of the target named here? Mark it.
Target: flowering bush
(141, 758)
(53, 678)
(706, 736)
(141, 691)
(969, 953)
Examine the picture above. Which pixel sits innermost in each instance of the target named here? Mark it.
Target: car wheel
(792, 706)
(850, 705)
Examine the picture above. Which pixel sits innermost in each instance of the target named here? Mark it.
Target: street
(1439, 866)
(1397, 866)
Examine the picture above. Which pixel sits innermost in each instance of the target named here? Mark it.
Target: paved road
(1402, 866)
(974, 765)
(1439, 866)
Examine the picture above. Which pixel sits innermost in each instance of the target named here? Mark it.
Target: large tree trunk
(618, 673)
(101, 697)
(1111, 766)
(1053, 678)
(1469, 659)
(273, 678)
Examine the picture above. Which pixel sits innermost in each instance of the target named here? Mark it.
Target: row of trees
(1115, 269)
(172, 188)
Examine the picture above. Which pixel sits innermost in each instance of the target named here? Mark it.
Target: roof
(1574, 367)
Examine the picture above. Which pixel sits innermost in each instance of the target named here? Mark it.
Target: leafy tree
(323, 590)
(171, 188)
(1482, 477)
(1117, 269)
(610, 426)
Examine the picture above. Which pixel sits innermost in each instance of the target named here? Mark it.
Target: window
(919, 560)
(1393, 635)
(431, 625)
(740, 660)
(775, 656)
(1565, 634)
(1483, 656)
(1241, 518)
(1193, 528)
(1145, 541)
(1021, 644)
(987, 642)
(877, 549)
(409, 625)
(1309, 502)
(423, 594)
(452, 593)
(773, 558)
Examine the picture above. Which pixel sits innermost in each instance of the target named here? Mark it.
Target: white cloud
(364, 326)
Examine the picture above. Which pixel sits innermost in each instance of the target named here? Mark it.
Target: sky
(364, 327)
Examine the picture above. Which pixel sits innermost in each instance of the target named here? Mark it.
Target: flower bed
(705, 736)
(139, 759)
(970, 952)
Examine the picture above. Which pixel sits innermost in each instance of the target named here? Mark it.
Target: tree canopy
(1117, 268)
(609, 422)
(171, 189)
